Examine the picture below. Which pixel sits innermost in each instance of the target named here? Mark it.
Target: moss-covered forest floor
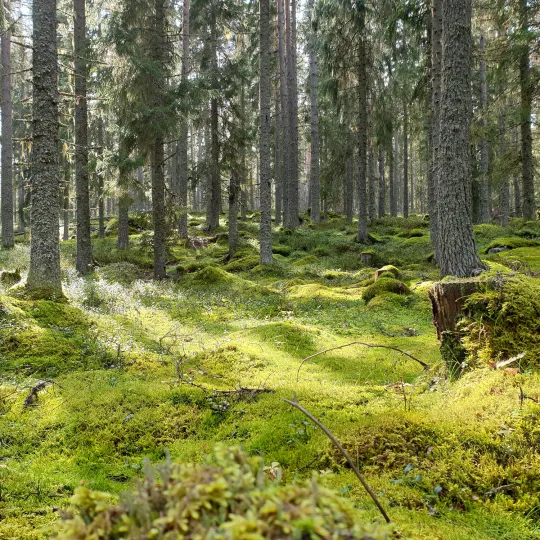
(131, 367)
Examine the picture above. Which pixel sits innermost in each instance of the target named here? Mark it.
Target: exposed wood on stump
(447, 304)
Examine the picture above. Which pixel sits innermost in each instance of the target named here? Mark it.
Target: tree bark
(348, 190)
(458, 255)
(8, 233)
(100, 179)
(44, 276)
(265, 96)
(65, 217)
(183, 138)
(382, 183)
(372, 188)
(405, 160)
(82, 188)
(484, 207)
(362, 234)
(279, 151)
(314, 177)
(504, 191)
(526, 87)
(518, 201)
(234, 199)
(394, 182)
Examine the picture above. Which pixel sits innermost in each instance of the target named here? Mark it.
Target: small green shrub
(385, 285)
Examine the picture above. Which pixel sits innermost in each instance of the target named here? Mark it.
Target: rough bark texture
(44, 273)
(285, 116)
(157, 159)
(518, 208)
(527, 164)
(405, 160)
(214, 198)
(362, 234)
(183, 135)
(124, 202)
(65, 216)
(382, 183)
(457, 249)
(82, 188)
(504, 189)
(101, 180)
(394, 180)
(436, 61)
(292, 92)
(265, 96)
(315, 173)
(348, 190)
(484, 207)
(8, 233)
(234, 200)
(372, 187)
(278, 144)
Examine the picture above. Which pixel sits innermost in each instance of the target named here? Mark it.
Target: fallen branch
(32, 397)
(346, 455)
(523, 397)
(369, 345)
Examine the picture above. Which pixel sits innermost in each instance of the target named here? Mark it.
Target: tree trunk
(314, 177)
(504, 193)
(124, 202)
(526, 86)
(518, 201)
(265, 96)
(8, 233)
(362, 235)
(44, 276)
(292, 92)
(458, 255)
(234, 199)
(214, 199)
(67, 181)
(484, 207)
(405, 160)
(436, 63)
(395, 177)
(279, 150)
(183, 138)
(82, 188)
(382, 183)
(348, 190)
(372, 190)
(100, 180)
(285, 116)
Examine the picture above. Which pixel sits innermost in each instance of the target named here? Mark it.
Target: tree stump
(447, 305)
(366, 257)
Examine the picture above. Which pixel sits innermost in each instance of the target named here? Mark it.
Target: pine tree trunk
(82, 187)
(65, 217)
(183, 138)
(484, 210)
(504, 193)
(362, 235)
(405, 160)
(314, 177)
(265, 96)
(278, 143)
(382, 183)
(395, 179)
(214, 199)
(234, 199)
(100, 180)
(526, 86)
(285, 115)
(372, 188)
(436, 63)
(458, 255)
(518, 201)
(44, 276)
(8, 233)
(124, 203)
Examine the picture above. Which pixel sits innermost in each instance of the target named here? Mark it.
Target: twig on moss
(369, 345)
(346, 455)
(523, 397)
(32, 397)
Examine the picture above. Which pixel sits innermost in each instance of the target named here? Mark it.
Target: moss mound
(230, 496)
(122, 272)
(385, 285)
(388, 269)
(210, 274)
(504, 321)
(511, 243)
(282, 249)
(304, 261)
(244, 264)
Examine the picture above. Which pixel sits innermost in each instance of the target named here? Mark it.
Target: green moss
(244, 264)
(123, 272)
(305, 261)
(385, 285)
(282, 249)
(511, 243)
(390, 269)
(212, 275)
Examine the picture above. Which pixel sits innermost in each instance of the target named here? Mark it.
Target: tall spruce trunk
(518, 201)
(65, 199)
(372, 186)
(183, 138)
(457, 249)
(382, 183)
(526, 88)
(362, 234)
(214, 198)
(101, 180)
(278, 160)
(504, 188)
(82, 187)
(285, 116)
(436, 62)
(394, 181)
(7, 195)
(348, 190)
(157, 151)
(265, 96)
(484, 206)
(292, 93)
(314, 168)
(405, 160)
(44, 276)
(234, 200)
(124, 200)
